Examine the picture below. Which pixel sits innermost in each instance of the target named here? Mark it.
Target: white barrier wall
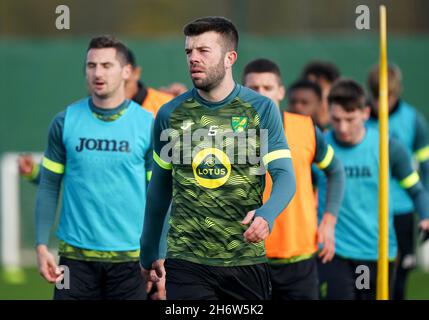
(10, 221)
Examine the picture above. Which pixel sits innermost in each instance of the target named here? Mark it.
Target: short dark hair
(220, 25)
(394, 76)
(131, 58)
(306, 85)
(108, 41)
(261, 66)
(348, 94)
(321, 69)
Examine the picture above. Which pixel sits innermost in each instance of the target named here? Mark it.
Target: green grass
(35, 288)
(32, 288)
(418, 286)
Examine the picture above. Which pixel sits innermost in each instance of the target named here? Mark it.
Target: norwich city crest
(239, 123)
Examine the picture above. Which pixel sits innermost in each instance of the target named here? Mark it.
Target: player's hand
(424, 224)
(175, 89)
(326, 237)
(160, 293)
(156, 272)
(258, 230)
(25, 164)
(47, 265)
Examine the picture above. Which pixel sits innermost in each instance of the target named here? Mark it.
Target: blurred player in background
(175, 89)
(218, 221)
(100, 147)
(324, 74)
(149, 98)
(304, 97)
(356, 232)
(292, 245)
(409, 127)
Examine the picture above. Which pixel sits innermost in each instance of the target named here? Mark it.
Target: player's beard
(108, 93)
(102, 96)
(214, 76)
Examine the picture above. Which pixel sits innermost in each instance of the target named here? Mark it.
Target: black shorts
(405, 234)
(295, 281)
(192, 281)
(338, 279)
(102, 280)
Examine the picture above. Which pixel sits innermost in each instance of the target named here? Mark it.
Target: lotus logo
(210, 161)
(211, 168)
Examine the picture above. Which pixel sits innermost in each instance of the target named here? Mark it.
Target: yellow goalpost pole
(383, 206)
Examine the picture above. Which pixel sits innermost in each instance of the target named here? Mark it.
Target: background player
(304, 97)
(357, 227)
(409, 127)
(103, 140)
(149, 98)
(324, 74)
(292, 244)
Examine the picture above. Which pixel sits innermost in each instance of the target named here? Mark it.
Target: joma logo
(358, 172)
(103, 145)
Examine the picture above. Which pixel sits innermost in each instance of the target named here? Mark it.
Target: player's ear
(230, 58)
(282, 92)
(137, 72)
(367, 112)
(127, 71)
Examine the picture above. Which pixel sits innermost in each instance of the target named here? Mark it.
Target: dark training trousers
(338, 279)
(102, 281)
(295, 281)
(404, 228)
(192, 281)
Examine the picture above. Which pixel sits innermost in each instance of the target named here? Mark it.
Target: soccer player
(304, 97)
(218, 222)
(100, 147)
(175, 89)
(149, 98)
(293, 243)
(324, 74)
(356, 233)
(409, 127)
